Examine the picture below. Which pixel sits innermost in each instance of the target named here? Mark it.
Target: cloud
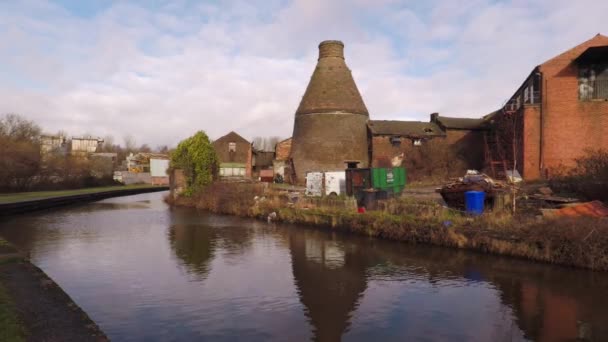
(159, 73)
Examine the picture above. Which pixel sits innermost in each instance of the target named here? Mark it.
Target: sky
(161, 70)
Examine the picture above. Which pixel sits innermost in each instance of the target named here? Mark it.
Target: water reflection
(195, 239)
(533, 301)
(187, 275)
(194, 247)
(330, 277)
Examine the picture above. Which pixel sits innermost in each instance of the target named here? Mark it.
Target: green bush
(197, 158)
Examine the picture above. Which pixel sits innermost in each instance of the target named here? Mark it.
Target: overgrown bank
(579, 242)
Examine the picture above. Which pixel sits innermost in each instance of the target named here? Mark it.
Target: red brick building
(235, 155)
(557, 114)
(391, 139)
(455, 143)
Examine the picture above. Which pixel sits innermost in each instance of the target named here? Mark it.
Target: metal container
(391, 180)
(474, 202)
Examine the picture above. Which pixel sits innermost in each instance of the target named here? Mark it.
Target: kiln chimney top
(331, 48)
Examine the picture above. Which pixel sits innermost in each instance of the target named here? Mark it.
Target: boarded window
(232, 147)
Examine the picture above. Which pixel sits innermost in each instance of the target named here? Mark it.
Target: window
(232, 147)
(593, 82)
(417, 142)
(395, 141)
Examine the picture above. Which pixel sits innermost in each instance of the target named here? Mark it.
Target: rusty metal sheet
(592, 209)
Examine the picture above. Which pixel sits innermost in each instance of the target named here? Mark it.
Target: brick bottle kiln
(330, 123)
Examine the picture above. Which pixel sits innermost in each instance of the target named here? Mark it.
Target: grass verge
(28, 196)
(11, 329)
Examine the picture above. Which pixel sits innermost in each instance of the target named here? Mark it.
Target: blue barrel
(473, 202)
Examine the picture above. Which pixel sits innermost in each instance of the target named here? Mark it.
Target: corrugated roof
(462, 123)
(404, 128)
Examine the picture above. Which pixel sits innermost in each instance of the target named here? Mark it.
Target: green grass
(28, 196)
(10, 328)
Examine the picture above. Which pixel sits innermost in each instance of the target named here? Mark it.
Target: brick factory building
(559, 112)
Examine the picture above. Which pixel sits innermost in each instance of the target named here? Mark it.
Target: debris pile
(453, 192)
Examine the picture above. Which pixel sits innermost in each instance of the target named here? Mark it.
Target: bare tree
(108, 144)
(130, 144)
(257, 143)
(20, 159)
(164, 149)
(145, 148)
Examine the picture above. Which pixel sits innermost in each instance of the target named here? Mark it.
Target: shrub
(197, 158)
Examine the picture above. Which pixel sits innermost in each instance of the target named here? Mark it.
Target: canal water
(145, 272)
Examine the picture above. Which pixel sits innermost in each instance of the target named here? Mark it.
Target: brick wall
(383, 150)
(531, 143)
(283, 149)
(249, 163)
(468, 145)
(177, 182)
(465, 146)
(551, 134)
(570, 126)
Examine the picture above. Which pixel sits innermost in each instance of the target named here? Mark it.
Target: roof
(597, 40)
(461, 123)
(231, 137)
(331, 87)
(404, 128)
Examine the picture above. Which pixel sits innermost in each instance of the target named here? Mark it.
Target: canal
(143, 271)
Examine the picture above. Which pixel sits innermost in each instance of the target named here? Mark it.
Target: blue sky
(160, 70)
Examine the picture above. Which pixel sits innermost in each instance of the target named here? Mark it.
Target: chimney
(434, 117)
(331, 48)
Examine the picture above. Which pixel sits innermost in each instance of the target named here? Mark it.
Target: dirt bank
(43, 311)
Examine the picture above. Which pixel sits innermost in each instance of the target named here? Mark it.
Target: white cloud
(159, 74)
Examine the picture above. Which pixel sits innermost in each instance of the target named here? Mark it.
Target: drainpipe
(543, 90)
